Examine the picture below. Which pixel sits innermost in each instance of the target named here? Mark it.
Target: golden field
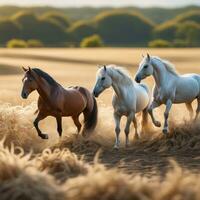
(154, 167)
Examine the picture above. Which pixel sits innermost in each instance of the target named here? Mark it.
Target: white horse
(170, 87)
(129, 97)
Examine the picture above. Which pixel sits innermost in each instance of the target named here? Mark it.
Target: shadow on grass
(65, 60)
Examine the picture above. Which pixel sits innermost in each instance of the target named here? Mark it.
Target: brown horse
(56, 101)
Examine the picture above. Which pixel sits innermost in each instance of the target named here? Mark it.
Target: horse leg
(127, 128)
(77, 123)
(198, 108)
(154, 105)
(144, 121)
(59, 125)
(136, 127)
(36, 122)
(117, 119)
(166, 115)
(190, 109)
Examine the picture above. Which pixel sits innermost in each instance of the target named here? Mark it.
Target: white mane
(119, 73)
(168, 65)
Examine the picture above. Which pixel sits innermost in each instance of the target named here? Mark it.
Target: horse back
(86, 95)
(70, 101)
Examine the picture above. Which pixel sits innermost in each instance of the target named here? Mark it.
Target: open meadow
(153, 167)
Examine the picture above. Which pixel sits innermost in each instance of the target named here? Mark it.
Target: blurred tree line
(109, 28)
(182, 31)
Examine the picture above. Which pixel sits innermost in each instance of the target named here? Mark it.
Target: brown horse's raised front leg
(77, 123)
(59, 125)
(36, 122)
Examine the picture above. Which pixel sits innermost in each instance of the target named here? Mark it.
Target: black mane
(46, 76)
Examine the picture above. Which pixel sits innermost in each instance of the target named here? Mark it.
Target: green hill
(157, 15)
(128, 26)
(185, 27)
(123, 28)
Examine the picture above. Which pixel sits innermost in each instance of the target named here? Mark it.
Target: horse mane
(121, 74)
(46, 76)
(168, 65)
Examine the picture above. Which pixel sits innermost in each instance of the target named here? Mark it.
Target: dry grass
(22, 179)
(183, 137)
(65, 169)
(177, 184)
(104, 184)
(16, 127)
(62, 164)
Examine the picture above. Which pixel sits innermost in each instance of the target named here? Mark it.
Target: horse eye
(146, 66)
(103, 78)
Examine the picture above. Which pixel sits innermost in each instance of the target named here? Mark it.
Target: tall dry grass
(101, 183)
(16, 126)
(62, 164)
(53, 171)
(182, 137)
(112, 184)
(21, 178)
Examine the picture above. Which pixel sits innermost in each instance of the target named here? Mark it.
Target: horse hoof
(127, 145)
(165, 131)
(85, 134)
(116, 147)
(157, 124)
(44, 136)
(136, 137)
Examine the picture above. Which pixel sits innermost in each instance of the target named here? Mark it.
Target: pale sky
(97, 3)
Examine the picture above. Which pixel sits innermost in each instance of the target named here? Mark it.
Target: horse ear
(148, 57)
(24, 69)
(104, 67)
(32, 73)
(30, 70)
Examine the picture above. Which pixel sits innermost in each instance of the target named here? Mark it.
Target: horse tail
(90, 118)
(90, 113)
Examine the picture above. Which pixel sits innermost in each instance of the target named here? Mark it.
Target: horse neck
(45, 90)
(161, 74)
(118, 87)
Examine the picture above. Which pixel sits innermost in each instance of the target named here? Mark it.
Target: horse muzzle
(137, 79)
(24, 95)
(95, 94)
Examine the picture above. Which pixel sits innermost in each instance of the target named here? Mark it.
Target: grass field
(154, 167)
